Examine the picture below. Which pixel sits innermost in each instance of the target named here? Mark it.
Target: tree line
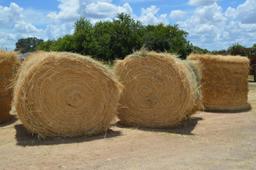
(238, 49)
(109, 40)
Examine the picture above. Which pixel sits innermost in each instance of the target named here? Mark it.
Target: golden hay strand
(65, 94)
(157, 90)
(224, 82)
(8, 66)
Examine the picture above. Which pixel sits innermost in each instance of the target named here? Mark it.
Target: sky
(211, 24)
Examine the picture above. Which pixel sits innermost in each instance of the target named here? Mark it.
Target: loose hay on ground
(158, 90)
(8, 66)
(224, 82)
(65, 94)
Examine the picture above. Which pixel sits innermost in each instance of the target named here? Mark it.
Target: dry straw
(196, 76)
(158, 90)
(224, 82)
(8, 67)
(65, 94)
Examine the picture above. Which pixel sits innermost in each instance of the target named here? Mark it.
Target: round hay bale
(65, 94)
(157, 90)
(8, 67)
(224, 82)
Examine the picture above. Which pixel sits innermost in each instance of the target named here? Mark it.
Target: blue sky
(211, 24)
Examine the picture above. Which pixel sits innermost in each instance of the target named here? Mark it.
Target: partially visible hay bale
(224, 82)
(65, 94)
(8, 67)
(158, 90)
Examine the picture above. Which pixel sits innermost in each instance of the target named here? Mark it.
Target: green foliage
(65, 43)
(221, 52)
(126, 36)
(168, 38)
(27, 44)
(45, 45)
(84, 41)
(238, 49)
(199, 50)
(157, 38)
(110, 40)
(102, 34)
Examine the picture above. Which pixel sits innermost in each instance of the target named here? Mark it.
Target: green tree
(199, 50)
(84, 41)
(126, 36)
(237, 49)
(167, 38)
(27, 44)
(45, 45)
(157, 38)
(65, 43)
(109, 40)
(102, 34)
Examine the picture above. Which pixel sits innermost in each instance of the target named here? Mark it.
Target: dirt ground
(208, 141)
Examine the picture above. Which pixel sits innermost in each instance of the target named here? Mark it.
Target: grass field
(207, 141)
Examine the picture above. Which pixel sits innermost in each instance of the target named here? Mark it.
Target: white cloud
(7, 41)
(246, 12)
(202, 2)
(35, 16)
(150, 16)
(8, 15)
(208, 24)
(25, 28)
(213, 27)
(177, 14)
(14, 25)
(54, 31)
(17, 22)
(68, 10)
(105, 10)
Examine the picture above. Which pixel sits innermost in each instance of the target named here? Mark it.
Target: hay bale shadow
(12, 120)
(229, 111)
(185, 128)
(24, 138)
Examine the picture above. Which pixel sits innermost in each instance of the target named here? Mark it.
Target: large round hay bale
(65, 94)
(8, 67)
(158, 90)
(224, 82)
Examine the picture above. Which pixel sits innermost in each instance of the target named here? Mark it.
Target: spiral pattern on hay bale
(157, 90)
(224, 82)
(9, 64)
(65, 94)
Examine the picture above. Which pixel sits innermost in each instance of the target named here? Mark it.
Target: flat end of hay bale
(65, 94)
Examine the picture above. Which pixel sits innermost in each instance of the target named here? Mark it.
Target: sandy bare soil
(208, 141)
